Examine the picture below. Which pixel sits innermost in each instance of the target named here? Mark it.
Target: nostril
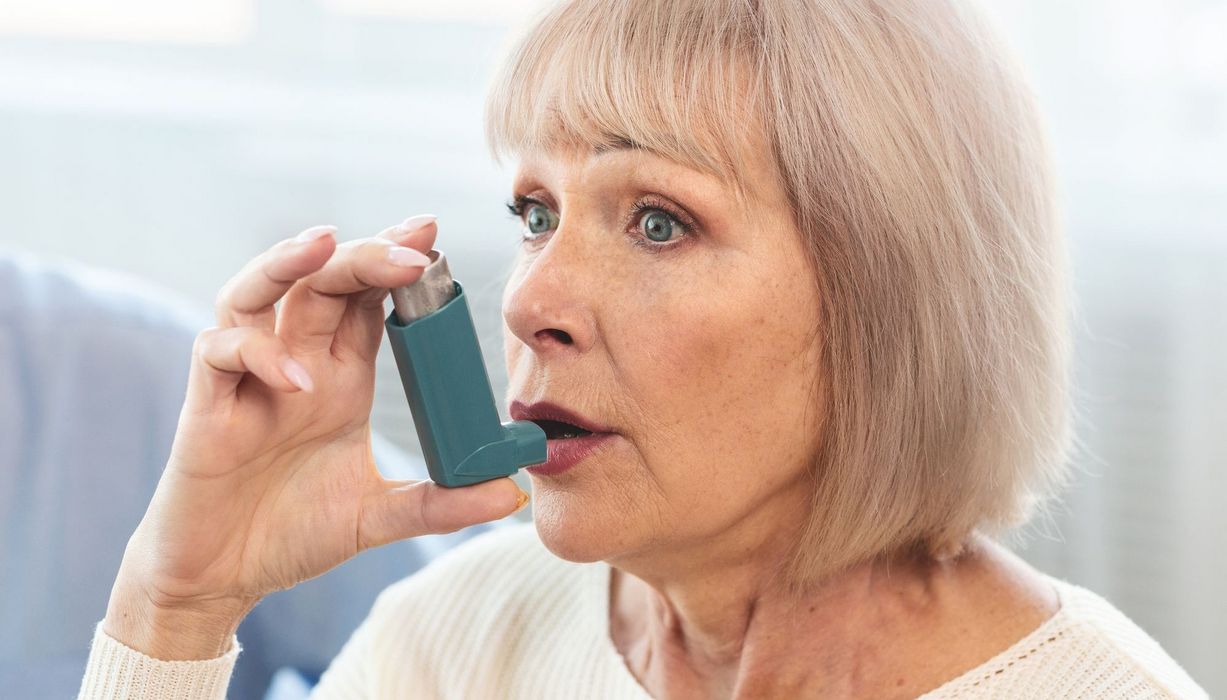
(561, 336)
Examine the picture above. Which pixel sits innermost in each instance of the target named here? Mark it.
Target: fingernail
(313, 233)
(414, 223)
(521, 500)
(407, 257)
(297, 374)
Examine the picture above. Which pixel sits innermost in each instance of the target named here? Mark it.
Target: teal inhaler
(440, 363)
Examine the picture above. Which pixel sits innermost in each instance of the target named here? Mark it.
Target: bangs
(919, 176)
(632, 73)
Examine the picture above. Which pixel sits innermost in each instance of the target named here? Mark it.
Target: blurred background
(172, 141)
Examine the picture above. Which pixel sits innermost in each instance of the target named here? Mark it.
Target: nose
(547, 305)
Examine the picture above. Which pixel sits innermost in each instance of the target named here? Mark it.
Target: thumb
(406, 509)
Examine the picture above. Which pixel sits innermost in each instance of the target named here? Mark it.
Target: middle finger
(249, 296)
(315, 307)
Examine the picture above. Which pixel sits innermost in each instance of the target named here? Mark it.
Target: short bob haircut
(919, 177)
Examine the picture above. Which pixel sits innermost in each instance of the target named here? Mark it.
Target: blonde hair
(919, 176)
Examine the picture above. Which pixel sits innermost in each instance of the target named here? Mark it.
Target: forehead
(680, 84)
(753, 177)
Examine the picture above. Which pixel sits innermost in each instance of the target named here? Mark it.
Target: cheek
(706, 374)
(722, 378)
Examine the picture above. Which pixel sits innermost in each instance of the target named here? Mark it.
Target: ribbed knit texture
(501, 617)
(115, 670)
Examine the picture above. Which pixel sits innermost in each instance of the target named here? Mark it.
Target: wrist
(173, 632)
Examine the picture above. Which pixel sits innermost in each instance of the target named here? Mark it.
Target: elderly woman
(796, 267)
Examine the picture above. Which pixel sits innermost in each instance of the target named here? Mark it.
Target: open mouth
(557, 430)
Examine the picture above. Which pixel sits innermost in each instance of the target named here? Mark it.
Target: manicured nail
(297, 374)
(521, 500)
(407, 257)
(314, 233)
(414, 223)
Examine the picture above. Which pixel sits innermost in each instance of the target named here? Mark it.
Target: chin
(576, 529)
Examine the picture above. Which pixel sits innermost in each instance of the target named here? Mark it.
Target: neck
(693, 623)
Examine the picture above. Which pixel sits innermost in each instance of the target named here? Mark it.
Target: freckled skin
(702, 358)
(699, 356)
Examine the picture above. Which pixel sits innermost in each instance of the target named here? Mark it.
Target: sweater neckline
(600, 585)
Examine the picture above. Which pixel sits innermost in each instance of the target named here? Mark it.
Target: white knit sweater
(501, 617)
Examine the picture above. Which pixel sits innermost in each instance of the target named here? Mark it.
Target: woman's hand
(271, 480)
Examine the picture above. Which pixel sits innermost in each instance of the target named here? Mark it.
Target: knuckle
(205, 342)
(262, 340)
(250, 338)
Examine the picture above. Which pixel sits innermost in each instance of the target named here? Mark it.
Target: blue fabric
(93, 368)
(289, 684)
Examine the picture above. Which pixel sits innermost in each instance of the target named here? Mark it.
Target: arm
(116, 671)
(271, 479)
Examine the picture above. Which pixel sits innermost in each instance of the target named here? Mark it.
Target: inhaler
(435, 344)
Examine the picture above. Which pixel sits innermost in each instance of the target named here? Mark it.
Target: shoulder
(1087, 649)
(481, 613)
(1100, 630)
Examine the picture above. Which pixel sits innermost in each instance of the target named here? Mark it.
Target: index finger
(249, 296)
(416, 232)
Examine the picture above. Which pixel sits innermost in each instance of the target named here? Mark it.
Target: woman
(798, 267)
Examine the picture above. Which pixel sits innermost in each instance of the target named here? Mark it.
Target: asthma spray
(435, 344)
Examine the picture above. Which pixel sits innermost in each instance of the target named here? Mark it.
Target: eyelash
(520, 203)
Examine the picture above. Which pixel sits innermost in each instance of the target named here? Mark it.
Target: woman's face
(689, 321)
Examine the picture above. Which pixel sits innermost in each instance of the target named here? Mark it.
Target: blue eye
(657, 226)
(539, 219)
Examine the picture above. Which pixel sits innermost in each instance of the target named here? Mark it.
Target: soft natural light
(198, 21)
(173, 140)
(458, 10)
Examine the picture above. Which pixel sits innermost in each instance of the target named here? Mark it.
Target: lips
(571, 437)
(547, 411)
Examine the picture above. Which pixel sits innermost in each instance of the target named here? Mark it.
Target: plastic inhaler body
(435, 344)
